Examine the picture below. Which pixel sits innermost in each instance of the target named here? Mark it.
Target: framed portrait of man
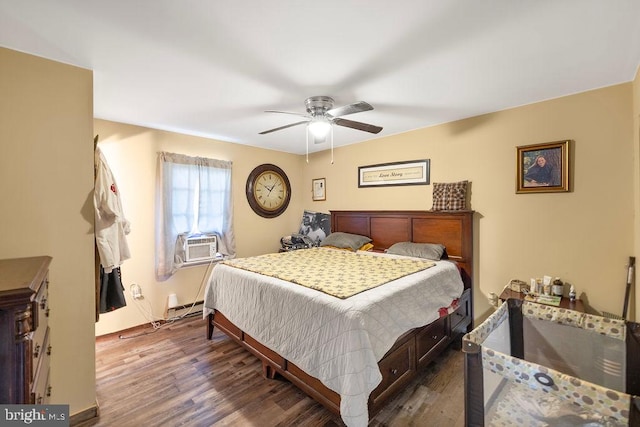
(543, 168)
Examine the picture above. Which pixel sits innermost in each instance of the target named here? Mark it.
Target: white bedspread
(337, 341)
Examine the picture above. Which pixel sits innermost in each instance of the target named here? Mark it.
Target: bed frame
(415, 349)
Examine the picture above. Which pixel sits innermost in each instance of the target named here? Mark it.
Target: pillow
(451, 196)
(432, 251)
(345, 240)
(366, 247)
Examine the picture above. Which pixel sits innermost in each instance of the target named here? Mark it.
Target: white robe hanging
(111, 227)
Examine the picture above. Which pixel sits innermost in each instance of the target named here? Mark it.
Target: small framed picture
(543, 168)
(319, 189)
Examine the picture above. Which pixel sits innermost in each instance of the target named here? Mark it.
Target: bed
(374, 342)
(536, 365)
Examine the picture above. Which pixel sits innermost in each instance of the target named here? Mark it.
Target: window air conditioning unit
(201, 248)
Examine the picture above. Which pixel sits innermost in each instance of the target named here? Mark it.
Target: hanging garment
(111, 227)
(111, 290)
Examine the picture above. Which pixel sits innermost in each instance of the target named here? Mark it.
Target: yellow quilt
(335, 272)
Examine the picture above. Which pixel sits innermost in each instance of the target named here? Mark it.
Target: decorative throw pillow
(366, 247)
(450, 196)
(345, 240)
(432, 251)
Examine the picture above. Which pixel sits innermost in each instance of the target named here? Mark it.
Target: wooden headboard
(453, 229)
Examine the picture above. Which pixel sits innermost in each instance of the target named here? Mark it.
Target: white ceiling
(211, 68)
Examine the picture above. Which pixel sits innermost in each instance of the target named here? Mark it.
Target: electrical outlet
(172, 301)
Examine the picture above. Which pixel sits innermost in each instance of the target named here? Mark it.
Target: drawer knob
(46, 313)
(43, 303)
(49, 351)
(435, 338)
(394, 372)
(49, 391)
(36, 351)
(39, 400)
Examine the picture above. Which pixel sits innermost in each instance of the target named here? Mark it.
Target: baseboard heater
(185, 310)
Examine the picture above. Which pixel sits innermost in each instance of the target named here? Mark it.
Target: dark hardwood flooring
(174, 376)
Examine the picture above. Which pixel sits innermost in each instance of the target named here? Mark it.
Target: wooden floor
(175, 376)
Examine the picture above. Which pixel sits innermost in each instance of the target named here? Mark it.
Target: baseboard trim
(82, 418)
(145, 327)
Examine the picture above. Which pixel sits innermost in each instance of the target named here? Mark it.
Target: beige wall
(132, 155)
(46, 181)
(46, 178)
(585, 236)
(636, 180)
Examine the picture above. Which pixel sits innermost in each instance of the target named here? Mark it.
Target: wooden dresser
(24, 331)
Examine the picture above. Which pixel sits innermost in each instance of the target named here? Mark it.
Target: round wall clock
(268, 190)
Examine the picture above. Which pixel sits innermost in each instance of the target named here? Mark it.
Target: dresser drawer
(397, 369)
(39, 348)
(41, 374)
(41, 304)
(47, 390)
(430, 339)
(41, 322)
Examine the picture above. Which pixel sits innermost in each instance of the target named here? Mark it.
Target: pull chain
(307, 133)
(331, 144)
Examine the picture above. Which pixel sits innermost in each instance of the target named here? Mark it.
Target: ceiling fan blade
(356, 107)
(288, 112)
(284, 127)
(357, 125)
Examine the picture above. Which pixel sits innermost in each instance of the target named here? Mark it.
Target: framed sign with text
(415, 172)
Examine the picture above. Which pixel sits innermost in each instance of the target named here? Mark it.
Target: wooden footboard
(409, 355)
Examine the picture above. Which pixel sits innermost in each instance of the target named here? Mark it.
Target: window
(193, 197)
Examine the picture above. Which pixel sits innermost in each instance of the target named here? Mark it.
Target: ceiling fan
(321, 115)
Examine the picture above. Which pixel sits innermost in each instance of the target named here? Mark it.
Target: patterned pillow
(449, 196)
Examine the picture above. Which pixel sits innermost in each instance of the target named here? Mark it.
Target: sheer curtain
(193, 195)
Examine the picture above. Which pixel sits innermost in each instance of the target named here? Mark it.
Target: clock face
(268, 190)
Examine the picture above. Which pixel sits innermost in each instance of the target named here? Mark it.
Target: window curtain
(180, 179)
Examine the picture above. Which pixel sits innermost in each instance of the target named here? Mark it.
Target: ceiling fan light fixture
(319, 127)
(321, 116)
